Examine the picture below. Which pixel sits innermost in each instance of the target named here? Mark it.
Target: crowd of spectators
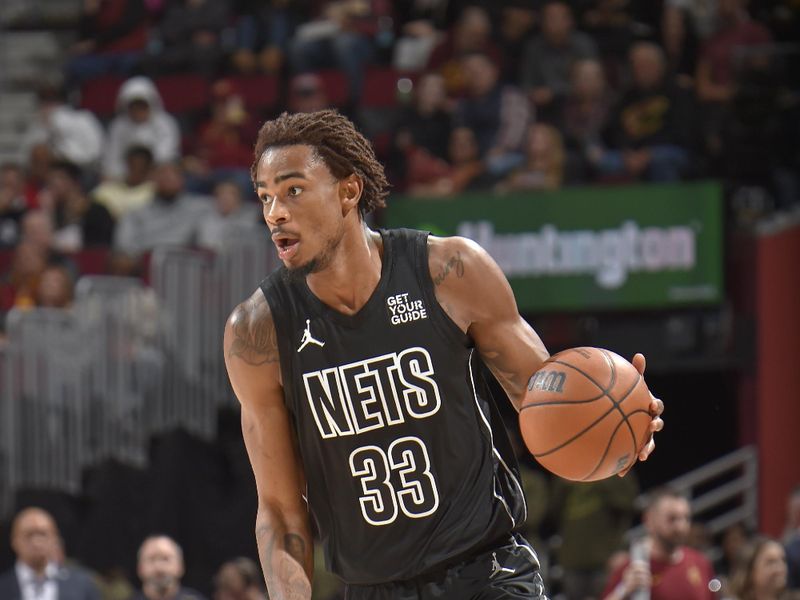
(493, 97)
(669, 562)
(508, 97)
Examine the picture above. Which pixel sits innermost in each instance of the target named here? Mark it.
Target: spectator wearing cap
(141, 120)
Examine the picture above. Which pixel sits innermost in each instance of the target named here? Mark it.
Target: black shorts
(508, 572)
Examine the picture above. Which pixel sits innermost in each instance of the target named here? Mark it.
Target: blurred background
(632, 165)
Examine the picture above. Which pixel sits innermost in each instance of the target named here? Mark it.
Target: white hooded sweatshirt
(160, 133)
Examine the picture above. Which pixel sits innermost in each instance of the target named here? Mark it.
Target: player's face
(670, 522)
(301, 205)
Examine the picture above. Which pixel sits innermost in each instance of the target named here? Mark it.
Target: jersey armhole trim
(439, 315)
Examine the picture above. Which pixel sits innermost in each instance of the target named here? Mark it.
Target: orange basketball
(586, 414)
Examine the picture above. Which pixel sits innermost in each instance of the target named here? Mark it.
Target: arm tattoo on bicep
(254, 337)
(454, 264)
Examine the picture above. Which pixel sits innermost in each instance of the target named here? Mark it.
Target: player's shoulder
(250, 331)
(453, 253)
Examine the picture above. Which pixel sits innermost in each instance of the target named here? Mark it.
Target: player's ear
(350, 190)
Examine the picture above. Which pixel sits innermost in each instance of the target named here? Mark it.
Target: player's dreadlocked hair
(337, 142)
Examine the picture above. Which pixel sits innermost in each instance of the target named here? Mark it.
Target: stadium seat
(100, 95)
(335, 83)
(380, 87)
(259, 92)
(184, 93)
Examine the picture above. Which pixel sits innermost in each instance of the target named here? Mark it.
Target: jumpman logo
(308, 338)
(496, 568)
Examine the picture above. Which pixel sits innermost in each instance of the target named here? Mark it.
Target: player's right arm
(283, 534)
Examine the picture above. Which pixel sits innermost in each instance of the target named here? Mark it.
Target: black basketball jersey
(396, 431)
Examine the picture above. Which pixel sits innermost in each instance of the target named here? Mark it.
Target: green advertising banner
(643, 246)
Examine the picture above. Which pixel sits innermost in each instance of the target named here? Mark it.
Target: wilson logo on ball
(547, 381)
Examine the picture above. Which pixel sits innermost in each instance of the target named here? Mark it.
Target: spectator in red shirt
(674, 570)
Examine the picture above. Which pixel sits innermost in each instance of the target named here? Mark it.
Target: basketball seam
(577, 435)
(621, 400)
(624, 420)
(560, 402)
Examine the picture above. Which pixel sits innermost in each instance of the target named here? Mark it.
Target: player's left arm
(477, 296)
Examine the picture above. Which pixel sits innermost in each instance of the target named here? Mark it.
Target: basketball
(585, 415)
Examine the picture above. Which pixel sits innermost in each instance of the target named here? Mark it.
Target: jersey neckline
(387, 262)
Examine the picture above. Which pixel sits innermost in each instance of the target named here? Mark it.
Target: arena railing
(127, 361)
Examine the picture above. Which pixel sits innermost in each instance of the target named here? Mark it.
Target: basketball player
(363, 407)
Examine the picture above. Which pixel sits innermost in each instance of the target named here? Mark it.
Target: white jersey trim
(495, 451)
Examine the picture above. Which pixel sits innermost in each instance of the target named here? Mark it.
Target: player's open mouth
(287, 247)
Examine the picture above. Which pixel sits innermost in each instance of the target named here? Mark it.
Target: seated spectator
(171, 219)
(471, 33)
(132, 192)
(517, 26)
(263, 31)
(232, 219)
(187, 38)
(715, 67)
(37, 573)
(307, 94)
(498, 115)
(433, 177)
(650, 130)
(341, 37)
(18, 285)
(548, 58)
(160, 567)
(55, 289)
(79, 221)
(111, 37)
(39, 159)
(543, 168)
(673, 571)
(140, 121)
(734, 539)
(585, 115)
(761, 573)
(223, 149)
(680, 45)
(425, 123)
(12, 203)
(73, 135)
(239, 579)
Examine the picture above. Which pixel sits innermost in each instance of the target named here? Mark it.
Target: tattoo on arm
(453, 264)
(283, 566)
(255, 340)
(512, 382)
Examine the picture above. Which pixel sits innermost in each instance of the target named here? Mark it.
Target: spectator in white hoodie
(72, 135)
(141, 121)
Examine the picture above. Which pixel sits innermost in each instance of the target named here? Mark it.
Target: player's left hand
(656, 408)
